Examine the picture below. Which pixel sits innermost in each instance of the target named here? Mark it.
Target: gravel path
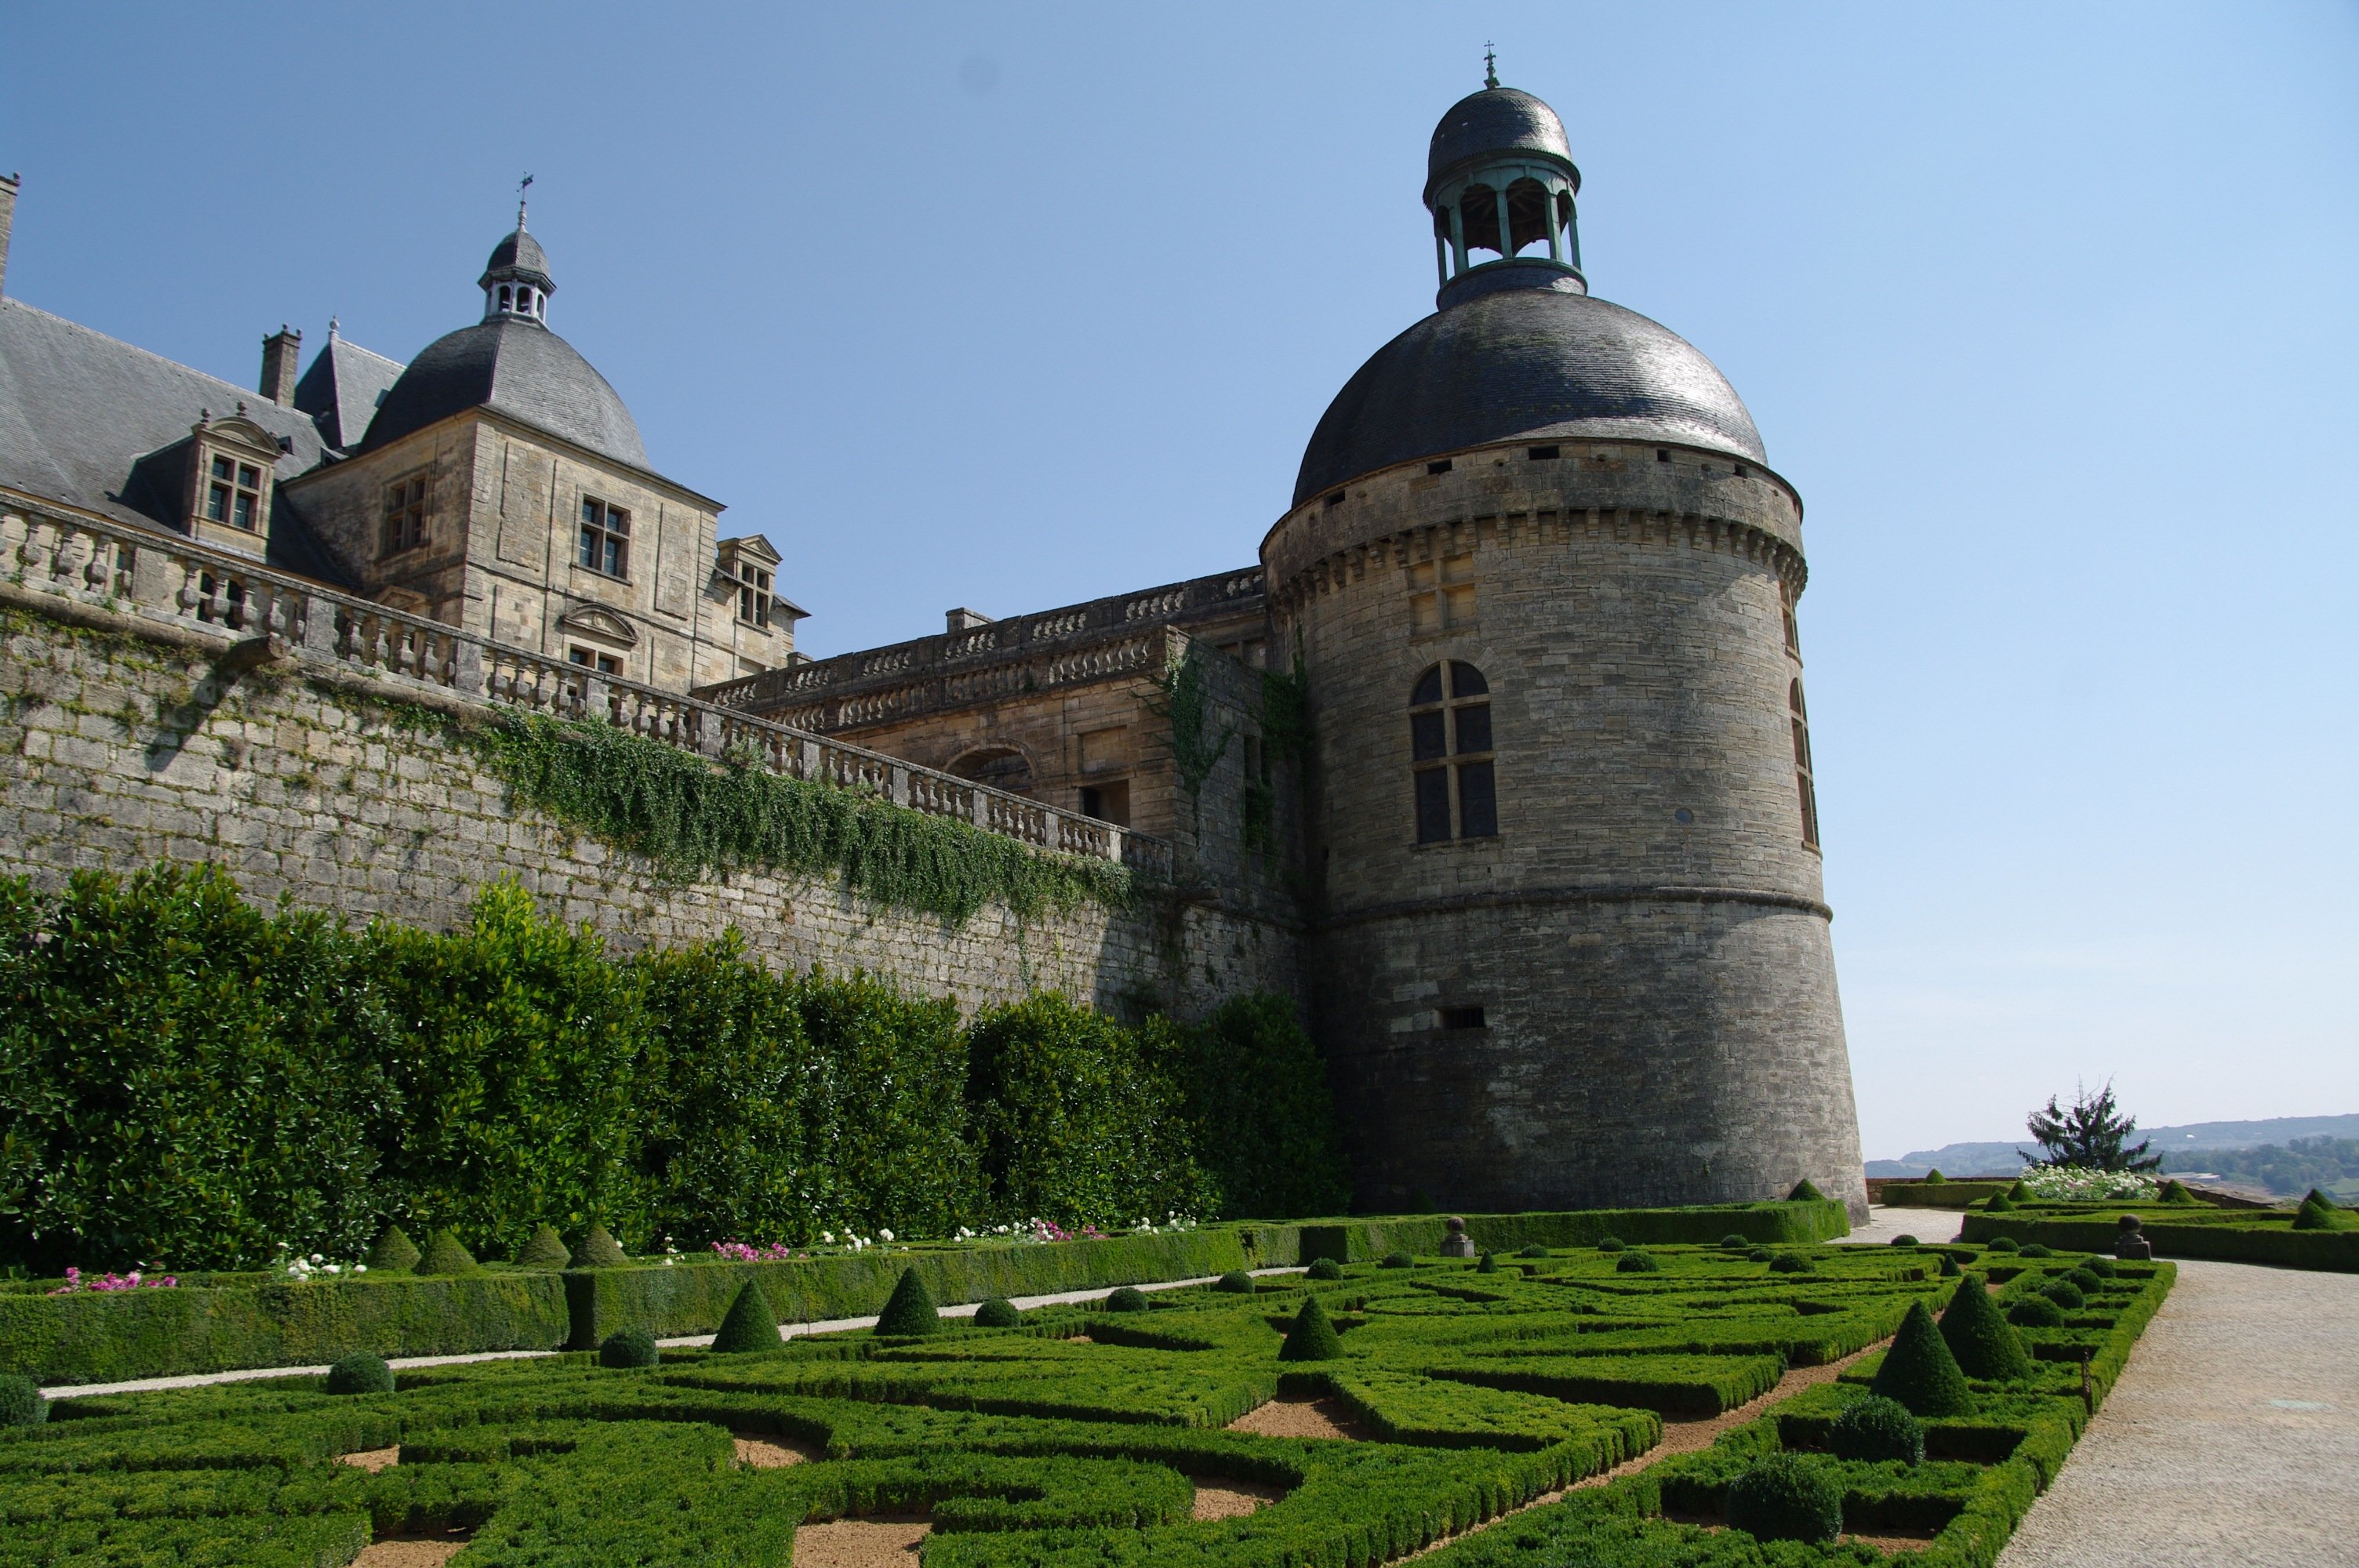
(2232, 1438)
(1924, 1223)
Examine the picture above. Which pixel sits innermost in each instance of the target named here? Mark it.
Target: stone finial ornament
(1455, 1242)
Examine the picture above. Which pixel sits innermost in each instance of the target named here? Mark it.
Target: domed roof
(518, 367)
(520, 253)
(1497, 119)
(1524, 362)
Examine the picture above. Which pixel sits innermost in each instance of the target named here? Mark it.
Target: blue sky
(2048, 310)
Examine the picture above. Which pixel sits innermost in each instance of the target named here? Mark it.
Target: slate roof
(517, 367)
(342, 388)
(80, 409)
(1530, 360)
(1496, 119)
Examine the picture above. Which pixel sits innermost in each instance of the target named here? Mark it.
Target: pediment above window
(593, 621)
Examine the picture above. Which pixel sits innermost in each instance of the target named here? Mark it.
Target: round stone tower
(1542, 579)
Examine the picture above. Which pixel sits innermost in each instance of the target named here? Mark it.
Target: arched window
(1809, 794)
(1451, 755)
(1478, 219)
(1001, 767)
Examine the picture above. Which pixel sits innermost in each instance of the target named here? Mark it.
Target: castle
(1540, 860)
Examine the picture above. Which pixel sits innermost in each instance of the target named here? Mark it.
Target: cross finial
(522, 186)
(1490, 65)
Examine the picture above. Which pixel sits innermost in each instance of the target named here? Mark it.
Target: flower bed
(1078, 1438)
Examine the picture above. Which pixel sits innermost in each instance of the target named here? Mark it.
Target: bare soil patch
(884, 1541)
(1304, 1418)
(428, 1550)
(767, 1451)
(1232, 1500)
(371, 1459)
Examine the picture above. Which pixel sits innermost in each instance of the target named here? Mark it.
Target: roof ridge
(252, 398)
(341, 342)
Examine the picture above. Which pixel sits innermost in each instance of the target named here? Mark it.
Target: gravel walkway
(1924, 1223)
(2232, 1438)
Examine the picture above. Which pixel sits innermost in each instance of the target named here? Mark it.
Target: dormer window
(234, 493)
(753, 595)
(230, 465)
(744, 571)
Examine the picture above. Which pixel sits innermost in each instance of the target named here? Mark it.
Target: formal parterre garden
(1869, 1402)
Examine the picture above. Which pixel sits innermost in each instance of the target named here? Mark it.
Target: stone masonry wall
(118, 750)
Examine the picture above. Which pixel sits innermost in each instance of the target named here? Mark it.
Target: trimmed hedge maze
(1096, 1437)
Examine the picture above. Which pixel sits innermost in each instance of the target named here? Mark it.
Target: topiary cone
(1804, 1192)
(444, 1255)
(1983, 1342)
(1919, 1371)
(2019, 1193)
(599, 1249)
(1313, 1337)
(911, 1309)
(545, 1250)
(1935, 1175)
(1998, 1202)
(750, 1326)
(394, 1253)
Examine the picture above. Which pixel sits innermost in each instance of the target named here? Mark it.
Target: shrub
(2020, 1192)
(2038, 1250)
(1805, 1191)
(21, 1401)
(1737, 1242)
(1259, 1111)
(751, 1324)
(1487, 1264)
(444, 1256)
(1534, 1250)
(1919, 1371)
(1935, 1176)
(1978, 1335)
(1998, 1202)
(2035, 1311)
(910, 1309)
(629, 1347)
(1786, 1497)
(1235, 1283)
(1950, 1270)
(599, 1249)
(2064, 1293)
(2318, 1212)
(2001, 1244)
(362, 1373)
(1875, 1430)
(1313, 1337)
(1637, 1263)
(1761, 1255)
(1790, 1264)
(1904, 1239)
(1127, 1298)
(545, 1250)
(2102, 1267)
(394, 1253)
(1611, 1244)
(1325, 1268)
(1398, 1260)
(2177, 1192)
(999, 1313)
(2087, 1279)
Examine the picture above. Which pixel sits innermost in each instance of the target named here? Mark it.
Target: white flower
(885, 1234)
(335, 1267)
(828, 1237)
(360, 1268)
(317, 1259)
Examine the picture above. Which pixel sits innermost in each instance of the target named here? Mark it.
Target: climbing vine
(1285, 720)
(1186, 707)
(693, 819)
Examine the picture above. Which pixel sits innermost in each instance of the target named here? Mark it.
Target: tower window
(405, 515)
(605, 538)
(1451, 754)
(1793, 628)
(1441, 595)
(1662, 454)
(1462, 1018)
(1809, 792)
(1540, 454)
(1335, 500)
(1441, 467)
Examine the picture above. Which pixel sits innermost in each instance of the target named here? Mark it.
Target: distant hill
(1991, 1159)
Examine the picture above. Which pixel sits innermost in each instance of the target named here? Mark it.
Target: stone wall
(125, 745)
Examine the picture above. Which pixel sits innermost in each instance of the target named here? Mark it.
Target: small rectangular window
(1441, 466)
(217, 503)
(1335, 500)
(1540, 454)
(1462, 1018)
(590, 659)
(1434, 806)
(1662, 454)
(1478, 805)
(405, 515)
(753, 596)
(605, 538)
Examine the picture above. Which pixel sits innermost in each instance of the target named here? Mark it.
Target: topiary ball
(1786, 1497)
(629, 1347)
(599, 1249)
(2038, 1250)
(1128, 1298)
(1904, 1239)
(2101, 1267)
(1235, 1283)
(909, 1310)
(1637, 1263)
(2035, 1311)
(1313, 1335)
(1761, 1255)
(750, 1324)
(1790, 1264)
(1534, 1250)
(21, 1400)
(362, 1373)
(1919, 1371)
(444, 1255)
(394, 1253)
(1326, 1268)
(1734, 1242)
(1875, 1430)
(999, 1313)
(545, 1250)
(1611, 1244)
(1487, 1264)
(2087, 1279)
(1399, 1261)
(2064, 1293)
(1977, 1334)
(2001, 1244)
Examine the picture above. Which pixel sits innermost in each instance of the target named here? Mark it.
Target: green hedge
(2230, 1236)
(1357, 1241)
(1939, 1194)
(93, 1336)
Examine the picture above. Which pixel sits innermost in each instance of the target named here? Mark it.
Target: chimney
(966, 620)
(7, 221)
(281, 353)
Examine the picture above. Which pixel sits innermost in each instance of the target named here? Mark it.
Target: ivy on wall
(691, 819)
(1186, 706)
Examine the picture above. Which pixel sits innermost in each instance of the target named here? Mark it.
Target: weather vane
(1490, 73)
(522, 186)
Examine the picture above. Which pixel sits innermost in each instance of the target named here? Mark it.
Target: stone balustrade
(261, 614)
